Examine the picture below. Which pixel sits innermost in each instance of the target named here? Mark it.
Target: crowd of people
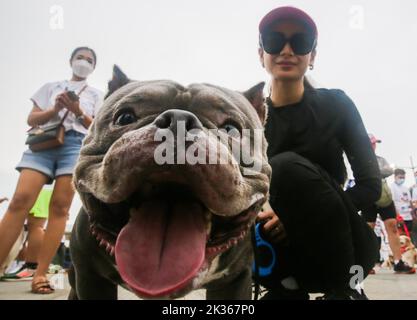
(308, 130)
(395, 208)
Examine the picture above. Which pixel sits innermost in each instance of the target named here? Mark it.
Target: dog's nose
(171, 118)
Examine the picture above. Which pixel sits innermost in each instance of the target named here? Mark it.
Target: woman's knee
(21, 202)
(290, 167)
(59, 208)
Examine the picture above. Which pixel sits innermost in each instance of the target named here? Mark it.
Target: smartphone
(72, 95)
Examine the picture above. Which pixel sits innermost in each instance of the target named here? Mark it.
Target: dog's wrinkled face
(165, 223)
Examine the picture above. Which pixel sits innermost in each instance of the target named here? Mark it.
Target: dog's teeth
(112, 251)
(102, 242)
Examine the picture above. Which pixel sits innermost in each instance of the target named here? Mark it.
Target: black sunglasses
(274, 42)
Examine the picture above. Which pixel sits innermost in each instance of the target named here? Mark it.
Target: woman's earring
(311, 66)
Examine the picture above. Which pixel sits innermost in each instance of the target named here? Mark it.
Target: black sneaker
(347, 294)
(401, 267)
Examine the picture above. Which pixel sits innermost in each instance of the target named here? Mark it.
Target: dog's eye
(231, 128)
(126, 118)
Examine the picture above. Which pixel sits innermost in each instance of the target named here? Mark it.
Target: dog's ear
(118, 80)
(255, 96)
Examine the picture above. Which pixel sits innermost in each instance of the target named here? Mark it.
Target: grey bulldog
(162, 230)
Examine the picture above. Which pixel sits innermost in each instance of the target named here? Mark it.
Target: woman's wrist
(79, 113)
(76, 109)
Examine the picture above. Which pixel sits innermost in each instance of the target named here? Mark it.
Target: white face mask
(399, 181)
(82, 68)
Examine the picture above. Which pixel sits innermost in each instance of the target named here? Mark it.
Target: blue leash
(259, 242)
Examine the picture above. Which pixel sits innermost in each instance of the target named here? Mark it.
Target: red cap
(373, 139)
(288, 13)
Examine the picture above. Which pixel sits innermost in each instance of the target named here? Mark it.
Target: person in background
(413, 192)
(402, 199)
(35, 234)
(312, 219)
(386, 210)
(50, 103)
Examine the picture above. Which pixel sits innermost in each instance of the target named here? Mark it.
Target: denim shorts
(54, 162)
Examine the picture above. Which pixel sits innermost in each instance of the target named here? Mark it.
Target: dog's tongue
(162, 247)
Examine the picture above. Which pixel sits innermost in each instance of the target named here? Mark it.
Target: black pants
(370, 214)
(326, 236)
(413, 232)
(409, 225)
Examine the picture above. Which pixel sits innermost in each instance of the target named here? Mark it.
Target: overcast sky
(367, 48)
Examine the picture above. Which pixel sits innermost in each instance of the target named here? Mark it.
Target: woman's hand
(63, 101)
(58, 104)
(273, 228)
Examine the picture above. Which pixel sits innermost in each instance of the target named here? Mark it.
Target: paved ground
(383, 286)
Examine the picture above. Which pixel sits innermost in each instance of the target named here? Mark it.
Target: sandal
(42, 286)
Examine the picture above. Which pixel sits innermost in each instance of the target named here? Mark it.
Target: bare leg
(22, 253)
(58, 214)
(393, 238)
(35, 237)
(27, 190)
